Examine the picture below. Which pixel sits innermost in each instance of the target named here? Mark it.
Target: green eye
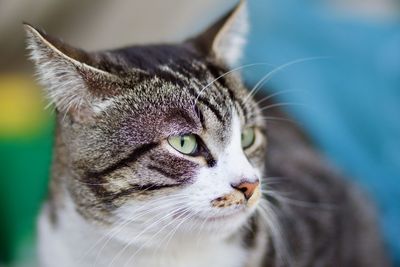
(248, 137)
(185, 144)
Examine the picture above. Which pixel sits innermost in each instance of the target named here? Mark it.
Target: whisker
(300, 203)
(277, 119)
(190, 215)
(131, 220)
(158, 232)
(201, 228)
(269, 75)
(187, 214)
(226, 73)
(283, 104)
(271, 220)
(277, 94)
(111, 195)
(141, 233)
(124, 222)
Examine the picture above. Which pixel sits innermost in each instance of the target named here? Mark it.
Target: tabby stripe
(135, 188)
(232, 96)
(207, 104)
(183, 70)
(133, 156)
(221, 81)
(162, 171)
(169, 77)
(201, 117)
(211, 162)
(212, 108)
(245, 110)
(217, 72)
(239, 102)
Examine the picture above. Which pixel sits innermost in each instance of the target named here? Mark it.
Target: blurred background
(343, 84)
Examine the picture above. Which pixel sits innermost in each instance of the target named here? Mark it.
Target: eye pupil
(182, 141)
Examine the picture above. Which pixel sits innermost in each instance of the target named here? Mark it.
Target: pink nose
(246, 187)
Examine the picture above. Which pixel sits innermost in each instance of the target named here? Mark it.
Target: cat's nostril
(246, 187)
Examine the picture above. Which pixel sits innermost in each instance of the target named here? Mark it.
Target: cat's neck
(72, 241)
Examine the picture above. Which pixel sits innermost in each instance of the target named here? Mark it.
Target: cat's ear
(225, 39)
(70, 76)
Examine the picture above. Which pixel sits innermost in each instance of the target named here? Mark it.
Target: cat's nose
(246, 187)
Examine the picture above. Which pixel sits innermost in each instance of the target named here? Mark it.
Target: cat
(163, 158)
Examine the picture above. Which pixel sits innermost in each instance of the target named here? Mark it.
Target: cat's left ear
(226, 38)
(77, 82)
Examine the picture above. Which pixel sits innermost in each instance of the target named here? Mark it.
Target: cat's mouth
(236, 198)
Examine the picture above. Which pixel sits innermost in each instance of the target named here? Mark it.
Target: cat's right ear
(72, 77)
(225, 39)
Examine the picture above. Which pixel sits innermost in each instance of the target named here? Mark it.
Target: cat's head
(163, 136)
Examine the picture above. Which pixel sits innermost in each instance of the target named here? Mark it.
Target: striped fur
(138, 202)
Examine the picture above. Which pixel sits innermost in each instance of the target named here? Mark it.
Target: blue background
(350, 101)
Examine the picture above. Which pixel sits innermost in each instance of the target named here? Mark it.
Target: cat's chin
(221, 225)
(193, 226)
(220, 218)
(213, 228)
(235, 216)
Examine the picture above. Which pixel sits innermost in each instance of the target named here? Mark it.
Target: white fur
(101, 106)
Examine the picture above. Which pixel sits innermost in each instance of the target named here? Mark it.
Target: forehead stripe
(206, 103)
(201, 117)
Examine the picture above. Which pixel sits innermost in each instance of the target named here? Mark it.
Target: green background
(25, 156)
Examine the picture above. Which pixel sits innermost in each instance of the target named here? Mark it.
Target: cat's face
(156, 140)
(184, 157)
